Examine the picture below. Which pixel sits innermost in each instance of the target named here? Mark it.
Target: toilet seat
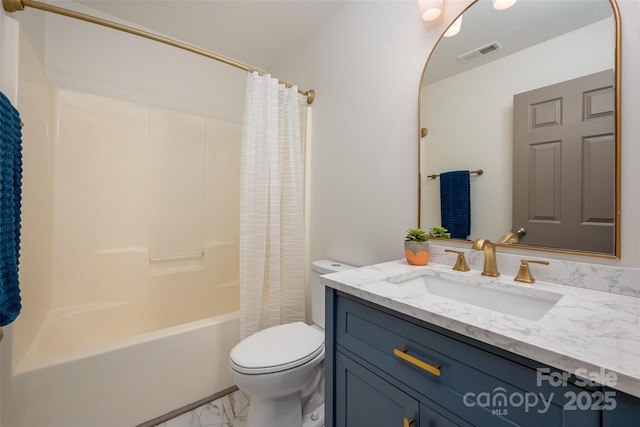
(278, 348)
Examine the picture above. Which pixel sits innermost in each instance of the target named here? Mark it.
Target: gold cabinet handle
(402, 354)
(407, 421)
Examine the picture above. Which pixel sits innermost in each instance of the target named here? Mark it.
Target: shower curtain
(272, 260)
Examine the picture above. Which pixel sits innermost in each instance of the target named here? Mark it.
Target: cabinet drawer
(469, 381)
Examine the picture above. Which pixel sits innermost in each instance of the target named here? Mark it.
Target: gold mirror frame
(422, 132)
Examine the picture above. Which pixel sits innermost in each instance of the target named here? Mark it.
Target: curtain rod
(17, 5)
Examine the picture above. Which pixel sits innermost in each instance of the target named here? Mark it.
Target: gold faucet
(461, 263)
(524, 274)
(490, 264)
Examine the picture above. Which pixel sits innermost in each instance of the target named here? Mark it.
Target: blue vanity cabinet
(384, 368)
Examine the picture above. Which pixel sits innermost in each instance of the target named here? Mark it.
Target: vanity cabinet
(386, 369)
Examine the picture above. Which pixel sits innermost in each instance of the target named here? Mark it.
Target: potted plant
(439, 232)
(416, 245)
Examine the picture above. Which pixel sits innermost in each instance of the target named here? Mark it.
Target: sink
(524, 302)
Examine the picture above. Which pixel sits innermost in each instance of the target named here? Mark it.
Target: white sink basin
(520, 301)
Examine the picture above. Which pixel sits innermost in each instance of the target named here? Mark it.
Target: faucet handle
(524, 274)
(461, 262)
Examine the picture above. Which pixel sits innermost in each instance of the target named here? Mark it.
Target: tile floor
(228, 411)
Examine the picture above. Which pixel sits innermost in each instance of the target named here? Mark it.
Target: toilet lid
(277, 348)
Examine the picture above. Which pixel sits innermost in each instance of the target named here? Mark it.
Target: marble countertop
(593, 334)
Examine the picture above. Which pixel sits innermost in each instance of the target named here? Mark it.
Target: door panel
(544, 177)
(564, 164)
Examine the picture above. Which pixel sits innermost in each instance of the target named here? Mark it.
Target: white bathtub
(95, 366)
(129, 292)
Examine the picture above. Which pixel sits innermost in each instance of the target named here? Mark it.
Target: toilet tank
(319, 268)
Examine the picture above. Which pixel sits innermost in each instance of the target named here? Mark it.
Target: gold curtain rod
(17, 5)
(479, 172)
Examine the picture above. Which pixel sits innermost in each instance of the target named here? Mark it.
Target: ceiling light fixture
(503, 4)
(454, 28)
(430, 9)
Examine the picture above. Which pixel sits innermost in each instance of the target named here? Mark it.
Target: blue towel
(10, 204)
(455, 203)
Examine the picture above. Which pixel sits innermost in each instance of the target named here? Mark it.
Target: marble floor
(228, 411)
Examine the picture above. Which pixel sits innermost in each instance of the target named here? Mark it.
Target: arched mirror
(527, 100)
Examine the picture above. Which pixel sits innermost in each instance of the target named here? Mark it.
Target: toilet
(281, 368)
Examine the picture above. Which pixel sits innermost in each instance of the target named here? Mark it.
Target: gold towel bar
(434, 176)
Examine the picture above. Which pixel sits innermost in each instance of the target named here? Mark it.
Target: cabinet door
(430, 417)
(363, 399)
(620, 409)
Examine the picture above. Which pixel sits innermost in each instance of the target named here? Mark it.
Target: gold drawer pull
(402, 354)
(408, 421)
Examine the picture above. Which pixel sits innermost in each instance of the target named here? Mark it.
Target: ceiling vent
(480, 52)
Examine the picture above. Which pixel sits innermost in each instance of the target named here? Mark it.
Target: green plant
(416, 235)
(439, 232)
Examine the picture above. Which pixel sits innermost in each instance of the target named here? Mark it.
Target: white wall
(367, 62)
(35, 95)
(9, 53)
(8, 77)
(89, 58)
(366, 72)
(8, 56)
(95, 59)
(140, 192)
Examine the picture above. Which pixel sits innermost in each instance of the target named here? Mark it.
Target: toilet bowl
(274, 367)
(281, 368)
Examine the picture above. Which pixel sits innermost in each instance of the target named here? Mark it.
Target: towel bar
(434, 176)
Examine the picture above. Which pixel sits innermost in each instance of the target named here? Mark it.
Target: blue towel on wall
(10, 204)
(455, 203)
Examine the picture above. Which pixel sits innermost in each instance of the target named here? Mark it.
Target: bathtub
(129, 306)
(99, 365)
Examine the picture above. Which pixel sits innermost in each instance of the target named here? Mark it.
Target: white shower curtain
(272, 260)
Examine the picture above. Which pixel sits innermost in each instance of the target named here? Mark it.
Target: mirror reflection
(527, 96)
